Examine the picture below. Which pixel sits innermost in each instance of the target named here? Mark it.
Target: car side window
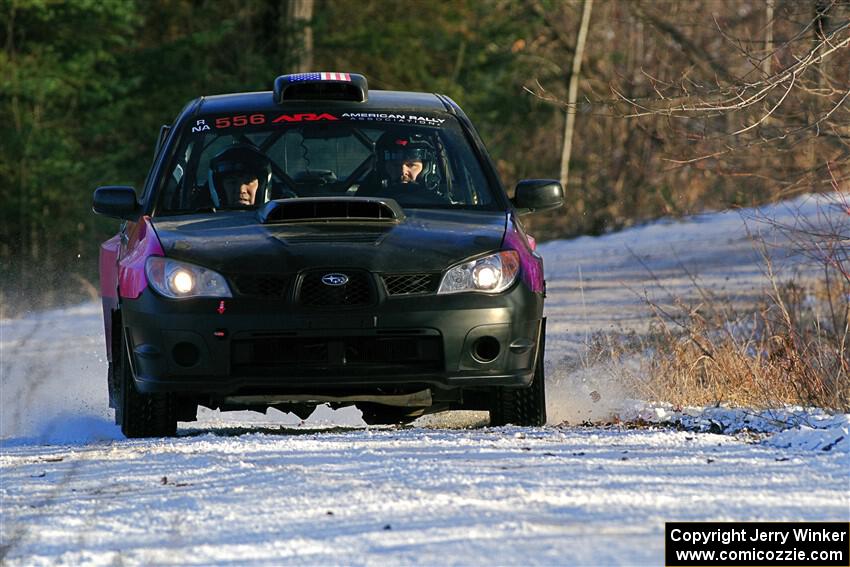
(174, 194)
(468, 182)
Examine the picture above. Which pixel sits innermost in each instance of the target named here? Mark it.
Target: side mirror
(533, 195)
(116, 201)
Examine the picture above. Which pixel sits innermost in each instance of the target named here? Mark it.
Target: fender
(142, 242)
(531, 264)
(122, 269)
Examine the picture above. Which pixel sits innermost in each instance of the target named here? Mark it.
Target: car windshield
(238, 161)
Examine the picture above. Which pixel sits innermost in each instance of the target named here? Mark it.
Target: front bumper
(244, 345)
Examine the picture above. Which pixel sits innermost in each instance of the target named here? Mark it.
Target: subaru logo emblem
(335, 279)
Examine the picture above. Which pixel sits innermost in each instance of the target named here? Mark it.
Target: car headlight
(490, 274)
(178, 279)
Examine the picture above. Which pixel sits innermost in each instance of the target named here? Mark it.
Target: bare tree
(301, 15)
(768, 37)
(573, 92)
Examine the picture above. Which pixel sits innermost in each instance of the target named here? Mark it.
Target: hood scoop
(331, 209)
(371, 238)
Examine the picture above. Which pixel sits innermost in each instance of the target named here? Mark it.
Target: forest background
(681, 106)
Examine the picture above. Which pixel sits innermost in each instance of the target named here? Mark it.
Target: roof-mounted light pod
(321, 86)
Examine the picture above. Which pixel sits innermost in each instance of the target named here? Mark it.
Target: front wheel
(523, 406)
(138, 414)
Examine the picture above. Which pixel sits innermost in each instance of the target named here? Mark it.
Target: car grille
(368, 355)
(410, 284)
(261, 285)
(357, 291)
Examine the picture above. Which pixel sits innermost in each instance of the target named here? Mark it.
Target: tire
(523, 406)
(138, 414)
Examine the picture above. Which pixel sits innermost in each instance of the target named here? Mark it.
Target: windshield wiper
(182, 212)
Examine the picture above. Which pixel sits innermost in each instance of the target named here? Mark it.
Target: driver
(407, 159)
(239, 176)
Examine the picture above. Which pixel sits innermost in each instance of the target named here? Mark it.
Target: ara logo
(335, 279)
(304, 117)
(200, 126)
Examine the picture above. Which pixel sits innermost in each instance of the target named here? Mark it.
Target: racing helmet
(395, 147)
(244, 160)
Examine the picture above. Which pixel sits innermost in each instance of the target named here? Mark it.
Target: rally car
(322, 244)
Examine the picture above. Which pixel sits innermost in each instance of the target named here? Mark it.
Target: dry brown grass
(790, 346)
(789, 349)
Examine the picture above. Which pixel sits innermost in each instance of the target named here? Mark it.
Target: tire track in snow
(9, 363)
(22, 531)
(38, 375)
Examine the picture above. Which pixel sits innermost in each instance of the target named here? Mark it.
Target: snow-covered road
(502, 496)
(236, 489)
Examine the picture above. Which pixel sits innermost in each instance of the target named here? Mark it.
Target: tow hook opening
(486, 349)
(185, 354)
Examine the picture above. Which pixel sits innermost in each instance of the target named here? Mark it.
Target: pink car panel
(142, 243)
(125, 277)
(531, 263)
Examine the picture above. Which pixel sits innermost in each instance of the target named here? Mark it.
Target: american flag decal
(319, 77)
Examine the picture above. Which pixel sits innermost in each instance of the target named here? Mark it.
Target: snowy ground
(252, 489)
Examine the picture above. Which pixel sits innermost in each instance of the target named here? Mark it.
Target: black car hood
(425, 240)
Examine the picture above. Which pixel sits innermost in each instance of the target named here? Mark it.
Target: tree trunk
(767, 62)
(300, 15)
(572, 93)
(820, 24)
